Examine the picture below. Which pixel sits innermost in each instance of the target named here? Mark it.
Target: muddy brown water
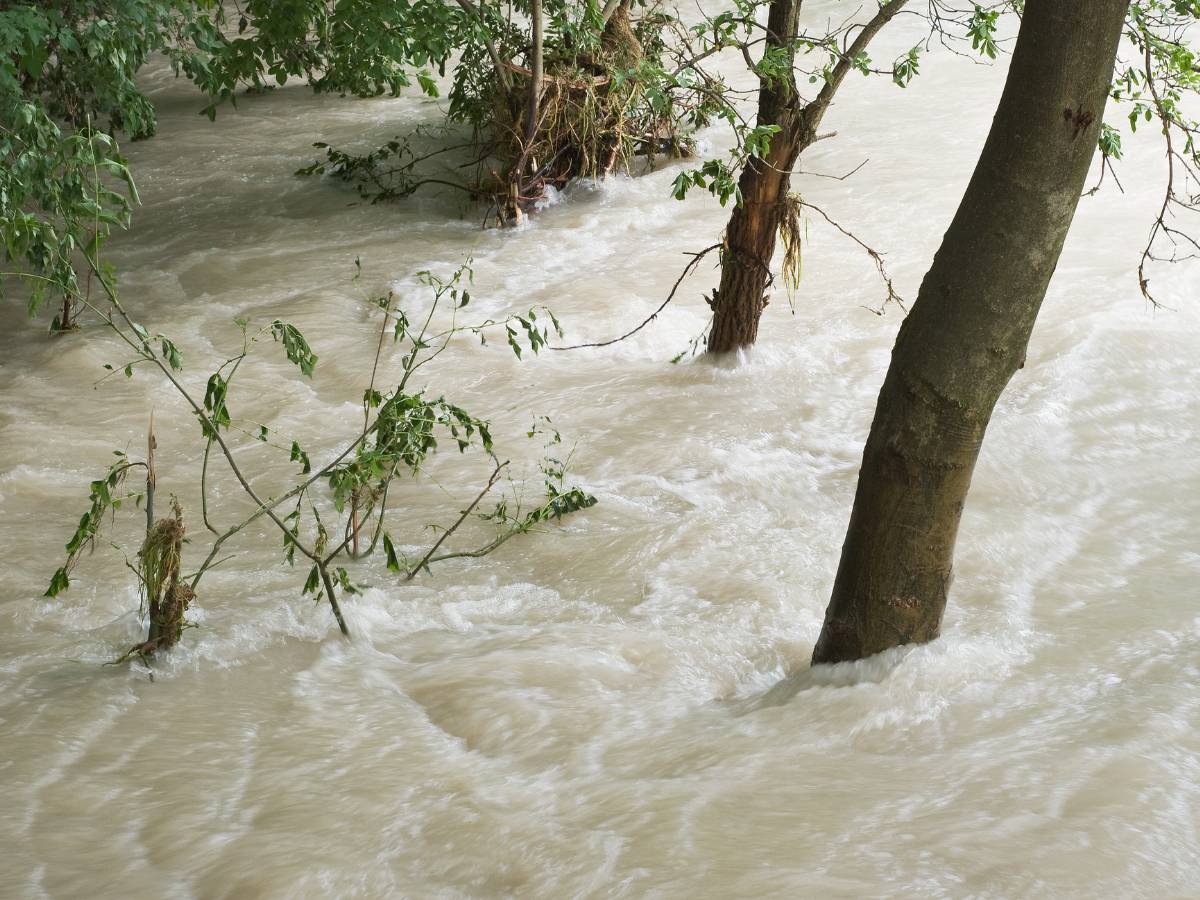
(622, 705)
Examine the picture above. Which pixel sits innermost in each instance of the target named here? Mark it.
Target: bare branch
(412, 573)
(876, 257)
(687, 270)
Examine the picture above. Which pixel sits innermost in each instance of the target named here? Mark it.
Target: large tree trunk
(749, 244)
(968, 331)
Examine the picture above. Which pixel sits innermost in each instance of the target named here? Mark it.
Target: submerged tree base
(574, 114)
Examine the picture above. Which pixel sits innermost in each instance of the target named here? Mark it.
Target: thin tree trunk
(969, 329)
(750, 235)
(331, 595)
(151, 474)
(738, 302)
(535, 79)
(512, 214)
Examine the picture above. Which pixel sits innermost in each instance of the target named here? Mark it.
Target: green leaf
(298, 455)
(295, 346)
(214, 404)
(313, 584)
(59, 583)
(428, 85)
(389, 549)
(344, 582)
(1110, 142)
(171, 353)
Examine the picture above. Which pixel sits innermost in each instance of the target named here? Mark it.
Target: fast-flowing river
(622, 705)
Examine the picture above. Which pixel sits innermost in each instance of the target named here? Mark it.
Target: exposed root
(791, 234)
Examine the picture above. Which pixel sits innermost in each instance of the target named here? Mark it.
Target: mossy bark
(968, 331)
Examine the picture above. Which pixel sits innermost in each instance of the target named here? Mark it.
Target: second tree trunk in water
(750, 237)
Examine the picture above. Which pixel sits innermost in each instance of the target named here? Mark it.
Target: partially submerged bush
(598, 91)
(335, 512)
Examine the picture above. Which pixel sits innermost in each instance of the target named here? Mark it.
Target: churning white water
(621, 706)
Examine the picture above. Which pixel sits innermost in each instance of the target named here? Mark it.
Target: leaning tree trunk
(968, 331)
(749, 243)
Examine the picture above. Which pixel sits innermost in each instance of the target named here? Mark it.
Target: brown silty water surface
(620, 706)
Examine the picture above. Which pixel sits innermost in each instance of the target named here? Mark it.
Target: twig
(1170, 197)
(687, 270)
(853, 171)
(151, 474)
(462, 518)
(876, 257)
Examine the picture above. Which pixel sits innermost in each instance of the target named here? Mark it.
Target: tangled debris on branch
(568, 113)
(165, 597)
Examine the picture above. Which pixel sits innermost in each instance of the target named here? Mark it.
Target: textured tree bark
(739, 300)
(969, 329)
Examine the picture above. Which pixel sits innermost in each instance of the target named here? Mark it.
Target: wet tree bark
(739, 300)
(749, 242)
(968, 331)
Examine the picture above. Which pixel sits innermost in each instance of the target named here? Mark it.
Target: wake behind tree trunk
(969, 329)
(750, 236)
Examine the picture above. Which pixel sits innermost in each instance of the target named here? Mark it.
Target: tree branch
(501, 73)
(412, 573)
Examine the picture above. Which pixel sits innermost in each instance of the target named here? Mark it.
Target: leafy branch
(400, 431)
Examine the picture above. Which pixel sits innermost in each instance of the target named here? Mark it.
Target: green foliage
(825, 58)
(214, 405)
(171, 353)
(716, 175)
(559, 500)
(1154, 83)
(401, 430)
(365, 48)
(1110, 142)
(296, 453)
(982, 31)
(48, 212)
(1158, 83)
(80, 57)
(613, 96)
(103, 500)
(67, 85)
(907, 67)
(295, 346)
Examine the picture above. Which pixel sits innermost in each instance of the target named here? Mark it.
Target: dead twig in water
(687, 270)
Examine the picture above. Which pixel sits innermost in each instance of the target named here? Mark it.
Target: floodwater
(622, 705)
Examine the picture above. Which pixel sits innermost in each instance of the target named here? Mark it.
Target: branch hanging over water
(687, 270)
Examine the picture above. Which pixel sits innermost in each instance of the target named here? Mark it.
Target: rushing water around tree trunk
(621, 706)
